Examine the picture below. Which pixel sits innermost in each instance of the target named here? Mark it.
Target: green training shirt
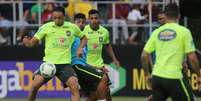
(58, 41)
(170, 42)
(95, 42)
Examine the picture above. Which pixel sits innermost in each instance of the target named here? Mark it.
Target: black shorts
(89, 77)
(63, 72)
(177, 89)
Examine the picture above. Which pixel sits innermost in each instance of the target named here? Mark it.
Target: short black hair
(59, 9)
(79, 16)
(172, 11)
(93, 11)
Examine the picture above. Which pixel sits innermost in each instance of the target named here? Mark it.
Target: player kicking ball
(97, 39)
(93, 82)
(58, 36)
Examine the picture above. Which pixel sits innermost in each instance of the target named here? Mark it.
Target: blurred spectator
(121, 13)
(27, 10)
(134, 17)
(5, 25)
(161, 18)
(47, 14)
(22, 28)
(6, 9)
(78, 6)
(35, 10)
(153, 8)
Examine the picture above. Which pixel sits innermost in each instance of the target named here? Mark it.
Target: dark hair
(79, 16)
(172, 11)
(93, 11)
(59, 9)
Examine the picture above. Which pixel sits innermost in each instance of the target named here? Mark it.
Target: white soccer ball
(47, 70)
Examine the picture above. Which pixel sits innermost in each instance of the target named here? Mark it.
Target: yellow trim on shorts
(184, 88)
(88, 72)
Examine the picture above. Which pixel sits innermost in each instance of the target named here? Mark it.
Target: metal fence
(18, 19)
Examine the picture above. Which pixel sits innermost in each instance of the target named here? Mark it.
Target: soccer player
(171, 42)
(93, 82)
(97, 37)
(59, 36)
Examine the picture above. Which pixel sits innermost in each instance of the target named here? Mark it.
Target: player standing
(93, 82)
(171, 42)
(97, 37)
(59, 36)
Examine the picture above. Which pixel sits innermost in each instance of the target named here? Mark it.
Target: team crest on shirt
(167, 35)
(100, 39)
(68, 33)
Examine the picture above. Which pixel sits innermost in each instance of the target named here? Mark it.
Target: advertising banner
(16, 80)
(129, 80)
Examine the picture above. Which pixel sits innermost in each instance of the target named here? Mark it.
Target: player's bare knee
(73, 83)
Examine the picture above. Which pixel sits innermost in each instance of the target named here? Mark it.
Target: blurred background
(128, 31)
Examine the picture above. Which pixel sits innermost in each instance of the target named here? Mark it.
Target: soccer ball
(47, 70)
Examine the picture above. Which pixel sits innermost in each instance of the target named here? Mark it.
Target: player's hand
(26, 40)
(199, 83)
(79, 52)
(116, 62)
(148, 79)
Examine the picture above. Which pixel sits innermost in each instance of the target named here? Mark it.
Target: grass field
(114, 99)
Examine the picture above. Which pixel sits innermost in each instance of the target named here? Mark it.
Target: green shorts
(88, 77)
(63, 72)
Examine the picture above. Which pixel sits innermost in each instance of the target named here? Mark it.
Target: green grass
(114, 99)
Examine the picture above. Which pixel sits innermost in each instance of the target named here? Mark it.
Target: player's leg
(93, 81)
(38, 81)
(108, 95)
(182, 91)
(68, 76)
(158, 91)
(102, 88)
(92, 96)
(74, 87)
(149, 98)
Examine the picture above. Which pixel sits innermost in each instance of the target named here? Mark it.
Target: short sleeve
(40, 33)
(188, 41)
(77, 31)
(107, 38)
(150, 45)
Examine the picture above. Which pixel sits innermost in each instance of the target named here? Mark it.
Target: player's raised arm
(30, 41)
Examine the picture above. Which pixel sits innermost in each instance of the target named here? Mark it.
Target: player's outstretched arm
(30, 41)
(82, 44)
(112, 55)
(195, 66)
(145, 61)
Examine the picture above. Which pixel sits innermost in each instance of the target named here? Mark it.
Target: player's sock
(102, 100)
